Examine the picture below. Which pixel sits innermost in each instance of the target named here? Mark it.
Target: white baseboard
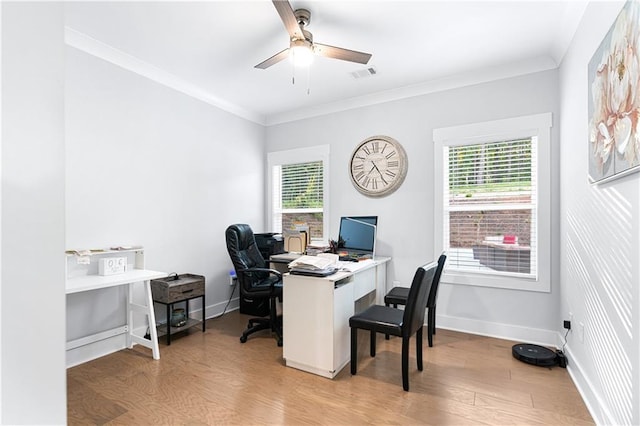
(499, 330)
(113, 344)
(217, 309)
(592, 400)
(597, 408)
(94, 350)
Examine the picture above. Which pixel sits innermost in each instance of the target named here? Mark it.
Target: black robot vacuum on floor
(538, 355)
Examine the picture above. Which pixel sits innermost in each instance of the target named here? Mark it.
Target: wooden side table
(176, 289)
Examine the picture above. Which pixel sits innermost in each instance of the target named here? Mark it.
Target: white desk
(316, 312)
(81, 278)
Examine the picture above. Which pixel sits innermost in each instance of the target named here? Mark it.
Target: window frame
(534, 126)
(298, 156)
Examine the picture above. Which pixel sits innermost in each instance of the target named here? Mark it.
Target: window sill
(503, 280)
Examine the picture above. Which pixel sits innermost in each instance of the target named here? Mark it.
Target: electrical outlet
(396, 283)
(570, 316)
(581, 332)
(233, 280)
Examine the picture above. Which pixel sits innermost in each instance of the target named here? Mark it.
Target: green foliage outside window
(302, 185)
(492, 167)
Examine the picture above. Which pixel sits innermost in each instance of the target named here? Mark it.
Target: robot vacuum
(536, 355)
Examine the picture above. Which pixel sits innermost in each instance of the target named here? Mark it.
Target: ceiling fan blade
(340, 53)
(288, 18)
(273, 60)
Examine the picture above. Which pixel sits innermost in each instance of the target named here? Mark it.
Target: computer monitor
(358, 234)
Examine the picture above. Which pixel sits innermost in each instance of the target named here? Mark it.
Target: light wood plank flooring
(211, 378)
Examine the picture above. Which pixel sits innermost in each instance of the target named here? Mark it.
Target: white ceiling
(209, 48)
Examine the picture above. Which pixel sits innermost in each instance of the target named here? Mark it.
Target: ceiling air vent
(366, 72)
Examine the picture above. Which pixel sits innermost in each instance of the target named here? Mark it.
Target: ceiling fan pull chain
(293, 71)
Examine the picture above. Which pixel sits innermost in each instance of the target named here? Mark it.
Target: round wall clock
(378, 166)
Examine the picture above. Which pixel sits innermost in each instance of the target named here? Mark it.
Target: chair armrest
(267, 270)
(271, 271)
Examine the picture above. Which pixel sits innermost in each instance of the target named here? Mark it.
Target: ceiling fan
(301, 41)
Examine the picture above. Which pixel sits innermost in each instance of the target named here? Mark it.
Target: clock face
(378, 166)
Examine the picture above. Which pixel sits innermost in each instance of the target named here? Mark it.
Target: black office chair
(388, 320)
(256, 281)
(398, 296)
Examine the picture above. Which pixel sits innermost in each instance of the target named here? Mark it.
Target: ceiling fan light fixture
(302, 49)
(301, 53)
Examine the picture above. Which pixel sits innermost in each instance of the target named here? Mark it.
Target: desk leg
(129, 325)
(147, 310)
(153, 331)
(204, 318)
(169, 308)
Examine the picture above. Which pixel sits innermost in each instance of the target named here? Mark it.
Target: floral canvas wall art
(614, 99)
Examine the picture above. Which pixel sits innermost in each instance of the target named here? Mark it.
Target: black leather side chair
(398, 296)
(388, 320)
(255, 279)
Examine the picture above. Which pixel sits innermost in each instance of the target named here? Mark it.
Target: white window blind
(490, 198)
(302, 186)
(298, 196)
(298, 179)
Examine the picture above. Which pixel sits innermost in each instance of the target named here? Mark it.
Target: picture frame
(614, 99)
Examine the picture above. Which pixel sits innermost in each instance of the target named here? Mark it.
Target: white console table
(316, 312)
(84, 277)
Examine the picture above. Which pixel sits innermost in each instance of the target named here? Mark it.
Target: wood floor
(211, 378)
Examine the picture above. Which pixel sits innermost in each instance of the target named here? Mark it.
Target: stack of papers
(325, 264)
(321, 262)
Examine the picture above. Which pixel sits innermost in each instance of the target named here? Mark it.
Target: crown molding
(126, 61)
(101, 50)
(438, 85)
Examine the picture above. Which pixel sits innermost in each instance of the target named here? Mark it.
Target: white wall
(406, 224)
(599, 248)
(1, 139)
(33, 301)
(116, 117)
(148, 165)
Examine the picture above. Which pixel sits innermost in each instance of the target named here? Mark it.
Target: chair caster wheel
(243, 339)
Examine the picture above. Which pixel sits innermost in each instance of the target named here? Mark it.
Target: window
(298, 180)
(492, 198)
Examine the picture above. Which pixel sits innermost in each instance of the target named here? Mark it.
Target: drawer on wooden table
(176, 288)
